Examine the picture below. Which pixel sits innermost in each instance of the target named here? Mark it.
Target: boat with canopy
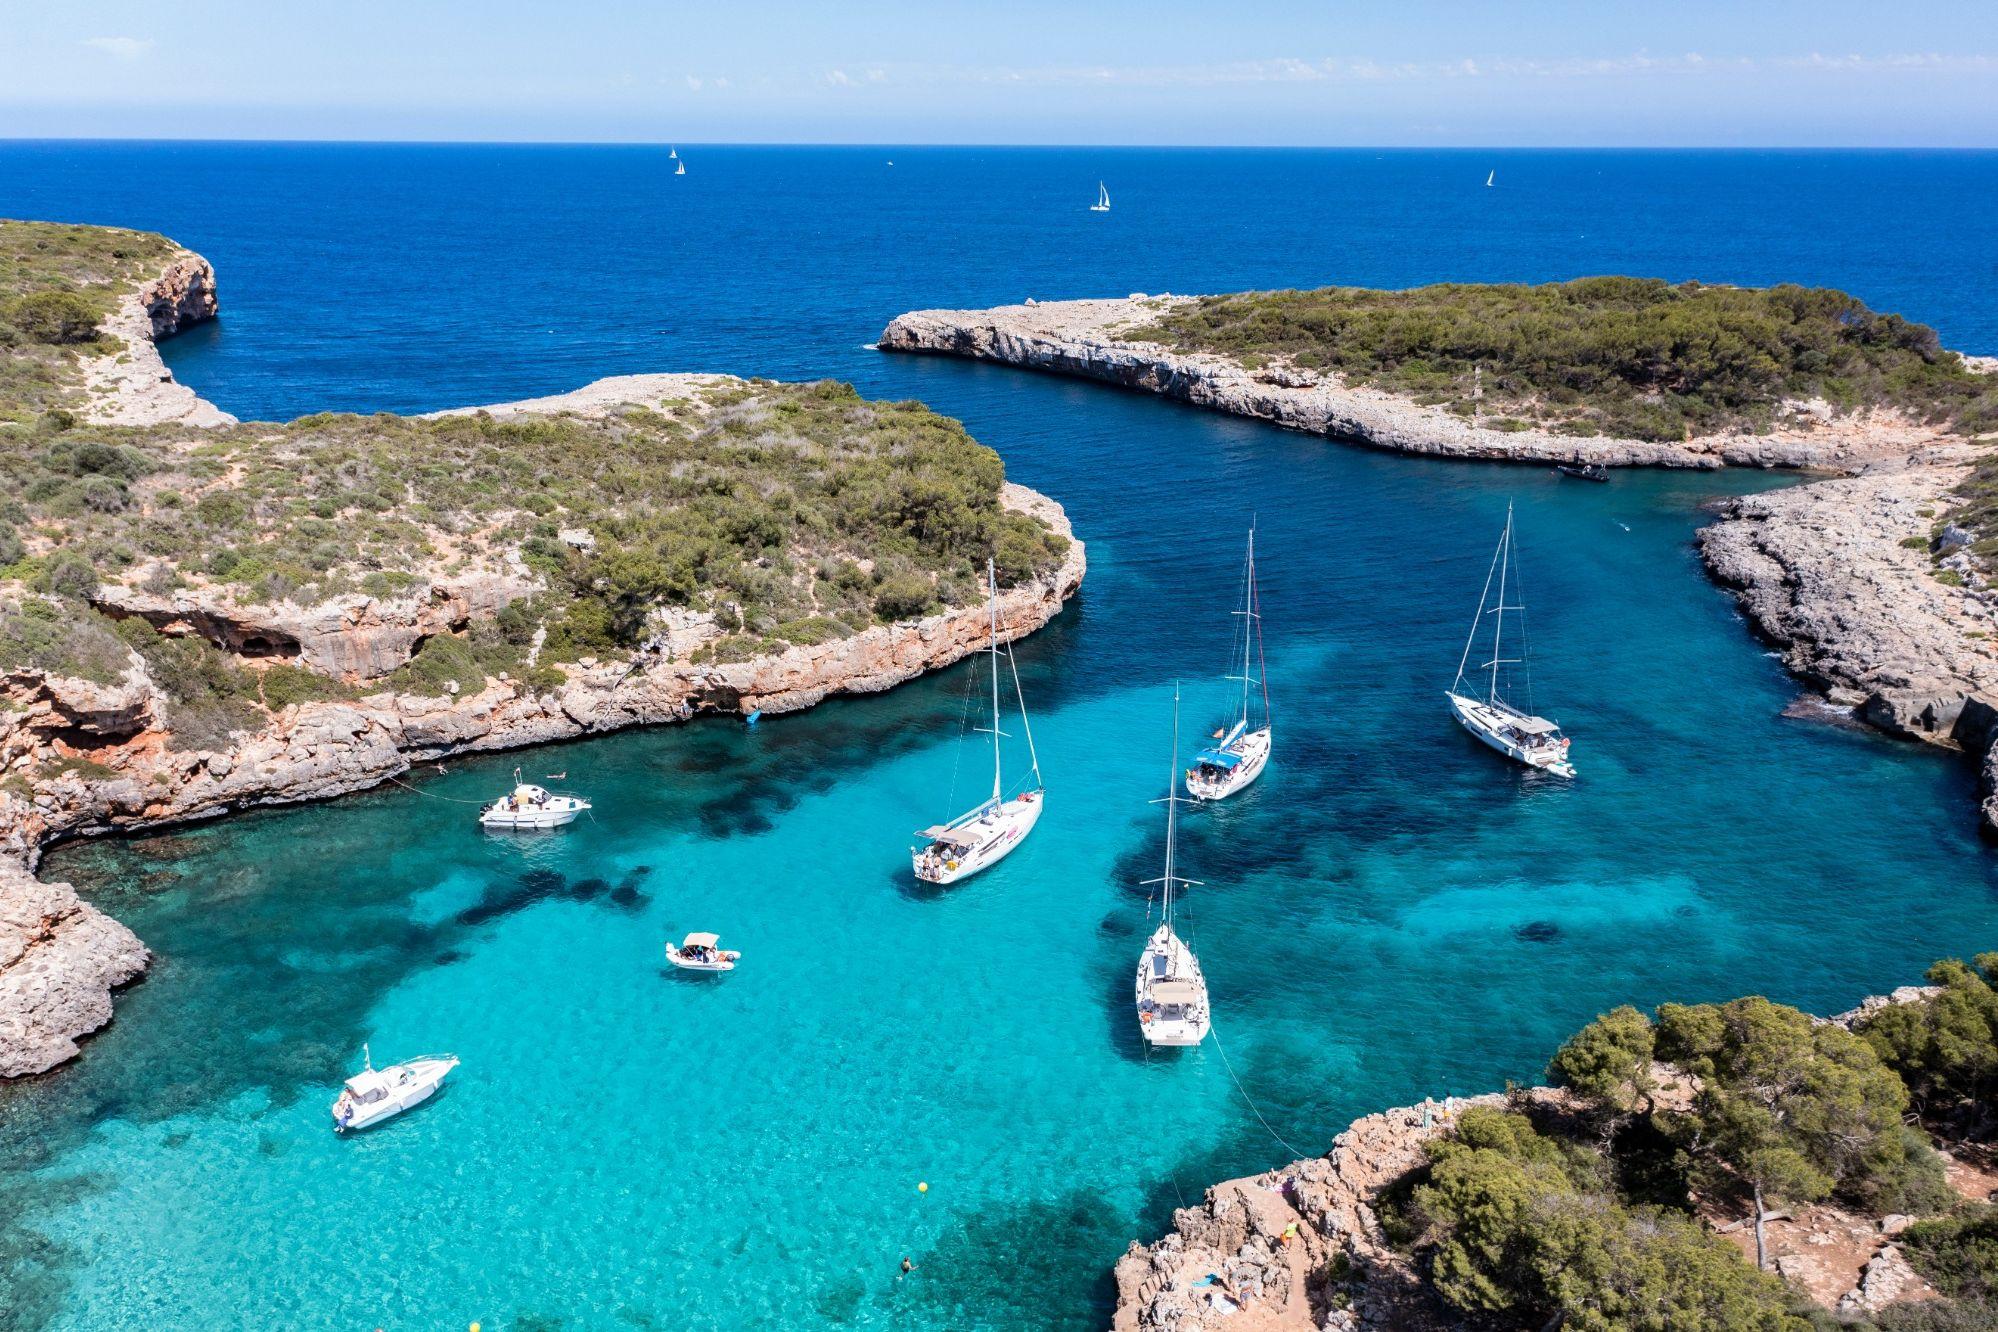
(1513, 731)
(1171, 991)
(702, 952)
(983, 836)
(1242, 749)
(373, 1094)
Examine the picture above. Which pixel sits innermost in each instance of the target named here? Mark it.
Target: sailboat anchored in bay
(1239, 753)
(1171, 990)
(1512, 731)
(985, 835)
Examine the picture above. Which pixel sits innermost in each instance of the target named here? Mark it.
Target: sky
(1249, 72)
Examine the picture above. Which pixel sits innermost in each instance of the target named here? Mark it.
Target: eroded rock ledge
(1840, 576)
(1104, 339)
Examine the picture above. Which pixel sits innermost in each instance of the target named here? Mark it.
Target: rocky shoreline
(115, 767)
(1840, 575)
(1302, 1249)
(1103, 340)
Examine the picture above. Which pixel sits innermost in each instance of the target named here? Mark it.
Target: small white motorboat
(702, 952)
(987, 834)
(1513, 731)
(375, 1094)
(1242, 750)
(530, 806)
(1171, 991)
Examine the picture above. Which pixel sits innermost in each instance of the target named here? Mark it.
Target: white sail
(1102, 204)
(1490, 177)
(988, 833)
(1495, 720)
(1241, 751)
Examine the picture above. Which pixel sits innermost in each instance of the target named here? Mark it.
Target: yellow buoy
(475, 1327)
(923, 1187)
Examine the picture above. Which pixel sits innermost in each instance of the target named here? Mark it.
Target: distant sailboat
(1102, 204)
(1490, 177)
(984, 836)
(1518, 734)
(1171, 991)
(1238, 754)
(680, 169)
(673, 153)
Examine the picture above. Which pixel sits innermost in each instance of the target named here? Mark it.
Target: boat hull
(1167, 958)
(425, 1077)
(554, 815)
(1488, 726)
(1007, 828)
(1254, 747)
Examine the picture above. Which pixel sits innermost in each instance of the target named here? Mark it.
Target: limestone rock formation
(1104, 339)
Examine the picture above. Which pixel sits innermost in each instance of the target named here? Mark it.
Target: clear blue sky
(1419, 72)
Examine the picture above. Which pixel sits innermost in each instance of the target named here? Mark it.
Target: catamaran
(1512, 731)
(1171, 992)
(1239, 753)
(982, 837)
(1102, 204)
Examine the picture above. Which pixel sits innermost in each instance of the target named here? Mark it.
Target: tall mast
(1172, 804)
(1249, 607)
(992, 582)
(1498, 625)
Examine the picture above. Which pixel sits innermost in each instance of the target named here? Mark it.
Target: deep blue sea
(1391, 912)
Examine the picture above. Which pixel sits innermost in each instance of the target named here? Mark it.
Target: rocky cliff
(1104, 339)
(83, 757)
(1841, 575)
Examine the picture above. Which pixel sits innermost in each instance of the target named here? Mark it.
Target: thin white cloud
(693, 84)
(839, 78)
(126, 49)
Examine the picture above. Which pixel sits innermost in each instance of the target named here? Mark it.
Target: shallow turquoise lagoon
(1391, 912)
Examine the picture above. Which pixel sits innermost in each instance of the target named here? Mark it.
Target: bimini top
(953, 836)
(700, 941)
(1217, 758)
(1533, 726)
(1176, 992)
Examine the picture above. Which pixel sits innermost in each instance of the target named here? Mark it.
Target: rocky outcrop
(1841, 576)
(1105, 340)
(132, 386)
(135, 779)
(60, 958)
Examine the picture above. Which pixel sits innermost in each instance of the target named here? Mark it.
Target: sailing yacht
(1514, 732)
(982, 837)
(1102, 204)
(1171, 992)
(1490, 176)
(679, 168)
(673, 154)
(1239, 754)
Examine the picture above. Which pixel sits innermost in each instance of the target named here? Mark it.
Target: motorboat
(702, 952)
(375, 1094)
(531, 806)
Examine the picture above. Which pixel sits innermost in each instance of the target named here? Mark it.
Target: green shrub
(904, 596)
(58, 318)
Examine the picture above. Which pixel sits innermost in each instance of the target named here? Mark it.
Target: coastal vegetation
(1607, 1208)
(1635, 358)
(778, 513)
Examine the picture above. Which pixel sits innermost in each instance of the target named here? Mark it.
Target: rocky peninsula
(214, 695)
(1870, 589)
(1117, 341)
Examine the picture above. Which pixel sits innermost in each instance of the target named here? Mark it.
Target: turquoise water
(1391, 912)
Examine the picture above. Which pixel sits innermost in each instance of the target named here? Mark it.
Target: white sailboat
(680, 169)
(1490, 176)
(1514, 732)
(1102, 204)
(1171, 991)
(982, 837)
(1239, 753)
(673, 154)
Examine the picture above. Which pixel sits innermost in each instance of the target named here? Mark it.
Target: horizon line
(1014, 146)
